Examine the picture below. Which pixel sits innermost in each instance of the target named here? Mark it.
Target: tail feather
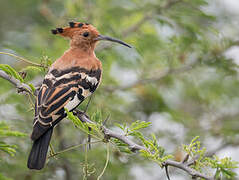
(37, 156)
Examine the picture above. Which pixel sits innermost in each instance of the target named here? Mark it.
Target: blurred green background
(181, 75)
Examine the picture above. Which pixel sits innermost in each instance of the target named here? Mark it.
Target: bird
(69, 81)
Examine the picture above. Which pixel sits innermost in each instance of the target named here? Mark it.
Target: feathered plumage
(71, 78)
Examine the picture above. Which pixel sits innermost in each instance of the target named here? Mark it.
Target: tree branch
(22, 87)
(187, 169)
(135, 147)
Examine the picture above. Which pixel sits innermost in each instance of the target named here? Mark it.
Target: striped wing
(62, 89)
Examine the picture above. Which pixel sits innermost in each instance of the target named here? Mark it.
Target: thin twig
(106, 162)
(71, 148)
(105, 121)
(23, 59)
(86, 162)
(185, 159)
(89, 138)
(167, 174)
(88, 103)
(86, 108)
(52, 152)
(187, 169)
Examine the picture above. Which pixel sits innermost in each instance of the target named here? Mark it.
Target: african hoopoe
(70, 79)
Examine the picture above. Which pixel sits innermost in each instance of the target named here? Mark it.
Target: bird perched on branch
(70, 79)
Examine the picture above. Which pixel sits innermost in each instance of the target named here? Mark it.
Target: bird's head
(84, 35)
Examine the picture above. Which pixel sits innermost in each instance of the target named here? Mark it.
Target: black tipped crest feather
(72, 24)
(54, 31)
(60, 30)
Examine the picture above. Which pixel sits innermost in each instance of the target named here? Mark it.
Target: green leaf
(97, 116)
(77, 122)
(32, 87)
(9, 70)
(120, 126)
(137, 134)
(10, 149)
(11, 133)
(5, 131)
(139, 125)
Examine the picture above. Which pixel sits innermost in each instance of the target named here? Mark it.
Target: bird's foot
(79, 113)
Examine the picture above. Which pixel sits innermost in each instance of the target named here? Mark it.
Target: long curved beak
(107, 38)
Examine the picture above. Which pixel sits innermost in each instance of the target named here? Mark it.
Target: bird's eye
(86, 34)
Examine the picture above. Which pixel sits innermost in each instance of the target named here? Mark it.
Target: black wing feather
(57, 92)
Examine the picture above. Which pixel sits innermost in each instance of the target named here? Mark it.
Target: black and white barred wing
(66, 89)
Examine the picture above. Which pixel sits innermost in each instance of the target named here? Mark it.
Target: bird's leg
(88, 103)
(89, 138)
(78, 113)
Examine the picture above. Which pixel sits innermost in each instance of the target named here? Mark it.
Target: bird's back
(70, 80)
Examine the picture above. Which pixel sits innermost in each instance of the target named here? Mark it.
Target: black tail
(37, 157)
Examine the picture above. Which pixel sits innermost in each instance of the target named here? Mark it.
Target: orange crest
(76, 28)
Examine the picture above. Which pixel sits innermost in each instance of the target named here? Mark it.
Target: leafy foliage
(154, 152)
(5, 131)
(10, 149)
(9, 70)
(223, 166)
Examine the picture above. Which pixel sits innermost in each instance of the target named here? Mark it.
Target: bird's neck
(79, 51)
(77, 57)
(82, 47)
